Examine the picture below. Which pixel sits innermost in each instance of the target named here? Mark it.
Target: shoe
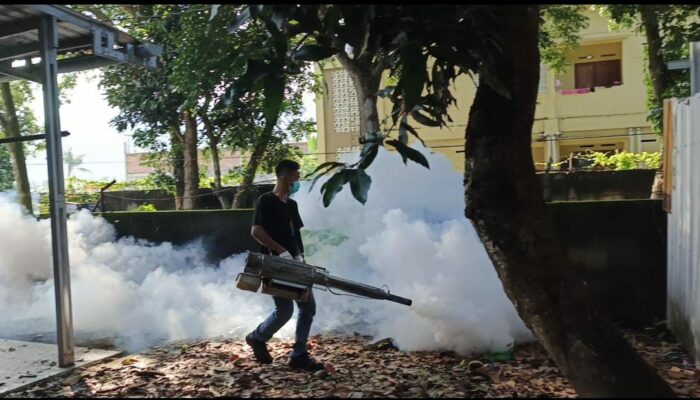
(259, 349)
(304, 362)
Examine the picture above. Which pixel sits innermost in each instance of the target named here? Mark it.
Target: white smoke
(410, 235)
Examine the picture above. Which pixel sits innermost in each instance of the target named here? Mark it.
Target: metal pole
(694, 68)
(59, 236)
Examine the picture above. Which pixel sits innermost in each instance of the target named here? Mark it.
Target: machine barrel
(365, 290)
(267, 266)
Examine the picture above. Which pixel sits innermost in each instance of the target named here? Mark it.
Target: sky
(87, 118)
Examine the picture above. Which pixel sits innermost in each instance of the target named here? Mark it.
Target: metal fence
(683, 305)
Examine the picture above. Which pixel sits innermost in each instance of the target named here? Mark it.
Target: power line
(352, 151)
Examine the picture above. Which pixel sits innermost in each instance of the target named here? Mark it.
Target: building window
(600, 73)
(346, 113)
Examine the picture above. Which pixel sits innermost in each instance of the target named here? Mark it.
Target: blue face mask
(294, 188)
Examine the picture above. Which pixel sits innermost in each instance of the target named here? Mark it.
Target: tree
(179, 98)
(202, 70)
(6, 176)
(503, 197)
(668, 29)
(73, 162)
(500, 185)
(11, 127)
(17, 119)
(560, 27)
(148, 103)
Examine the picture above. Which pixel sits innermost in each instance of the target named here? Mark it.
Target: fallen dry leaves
(355, 368)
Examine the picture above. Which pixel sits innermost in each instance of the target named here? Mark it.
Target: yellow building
(598, 103)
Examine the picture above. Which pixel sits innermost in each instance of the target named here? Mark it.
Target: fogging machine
(294, 279)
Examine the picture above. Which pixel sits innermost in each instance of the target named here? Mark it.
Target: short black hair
(284, 167)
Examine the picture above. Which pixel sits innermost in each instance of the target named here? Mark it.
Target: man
(276, 225)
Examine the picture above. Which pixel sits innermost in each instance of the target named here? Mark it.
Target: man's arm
(300, 243)
(298, 224)
(260, 234)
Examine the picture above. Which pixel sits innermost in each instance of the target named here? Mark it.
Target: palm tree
(73, 162)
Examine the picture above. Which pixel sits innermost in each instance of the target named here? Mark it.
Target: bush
(146, 207)
(623, 160)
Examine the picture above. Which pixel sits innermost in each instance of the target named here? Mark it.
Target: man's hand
(300, 258)
(286, 255)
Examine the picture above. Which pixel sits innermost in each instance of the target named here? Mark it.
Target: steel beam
(48, 38)
(17, 28)
(18, 73)
(694, 68)
(74, 64)
(32, 49)
(29, 138)
(678, 64)
(693, 64)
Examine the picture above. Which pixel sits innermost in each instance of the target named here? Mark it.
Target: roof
(83, 42)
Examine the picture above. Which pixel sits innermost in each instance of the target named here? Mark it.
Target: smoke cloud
(411, 235)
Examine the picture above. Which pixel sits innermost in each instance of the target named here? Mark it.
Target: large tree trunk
(214, 147)
(191, 167)
(245, 192)
(10, 125)
(657, 66)
(366, 78)
(178, 165)
(658, 72)
(505, 203)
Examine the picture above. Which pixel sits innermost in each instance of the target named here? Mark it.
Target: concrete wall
(557, 186)
(597, 185)
(128, 200)
(621, 250)
(224, 232)
(620, 246)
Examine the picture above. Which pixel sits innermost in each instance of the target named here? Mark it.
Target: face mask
(294, 188)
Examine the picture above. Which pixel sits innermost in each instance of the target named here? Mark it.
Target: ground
(355, 367)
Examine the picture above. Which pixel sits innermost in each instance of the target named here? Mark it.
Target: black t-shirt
(281, 221)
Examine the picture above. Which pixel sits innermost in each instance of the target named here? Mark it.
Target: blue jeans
(284, 308)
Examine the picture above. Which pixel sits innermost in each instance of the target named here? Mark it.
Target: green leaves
(274, 95)
(359, 184)
(314, 52)
(359, 181)
(241, 19)
(406, 127)
(409, 153)
(330, 165)
(413, 75)
(255, 70)
(334, 185)
(369, 152)
(214, 11)
(422, 119)
(386, 92)
(560, 29)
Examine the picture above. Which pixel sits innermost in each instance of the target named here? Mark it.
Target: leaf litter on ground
(355, 367)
